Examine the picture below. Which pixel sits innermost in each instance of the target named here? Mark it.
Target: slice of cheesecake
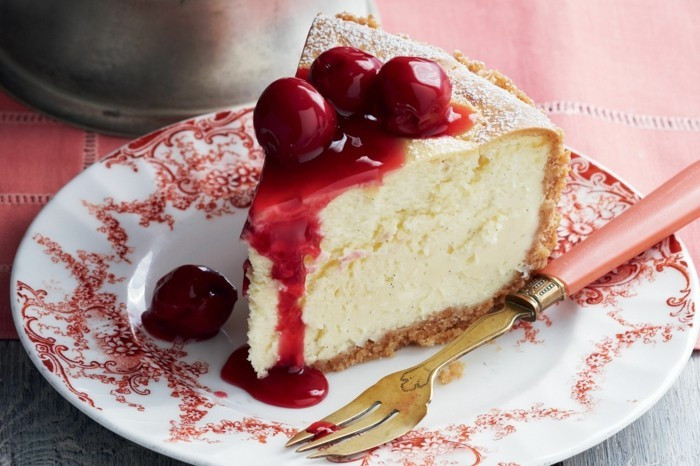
(398, 240)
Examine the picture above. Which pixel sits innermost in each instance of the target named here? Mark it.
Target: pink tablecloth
(621, 78)
(38, 155)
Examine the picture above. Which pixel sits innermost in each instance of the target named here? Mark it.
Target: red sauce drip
(288, 387)
(283, 222)
(246, 281)
(302, 73)
(322, 428)
(459, 120)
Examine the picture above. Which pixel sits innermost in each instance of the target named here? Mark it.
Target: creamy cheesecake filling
(452, 228)
(457, 215)
(263, 296)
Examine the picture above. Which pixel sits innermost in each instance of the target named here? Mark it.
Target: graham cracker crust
(438, 329)
(453, 371)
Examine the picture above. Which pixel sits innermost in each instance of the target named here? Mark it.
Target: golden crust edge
(369, 21)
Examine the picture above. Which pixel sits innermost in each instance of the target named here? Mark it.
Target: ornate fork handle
(539, 293)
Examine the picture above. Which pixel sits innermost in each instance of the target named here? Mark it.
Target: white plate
(86, 267)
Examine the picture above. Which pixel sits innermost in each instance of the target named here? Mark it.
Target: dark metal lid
(130, 66)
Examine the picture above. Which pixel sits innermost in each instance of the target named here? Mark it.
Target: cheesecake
(405, 192)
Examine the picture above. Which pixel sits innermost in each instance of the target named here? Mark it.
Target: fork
(399, 401)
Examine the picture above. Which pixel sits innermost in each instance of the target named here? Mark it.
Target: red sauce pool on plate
(288, 387)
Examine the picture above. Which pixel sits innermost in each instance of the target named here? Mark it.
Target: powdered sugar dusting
(497, 111)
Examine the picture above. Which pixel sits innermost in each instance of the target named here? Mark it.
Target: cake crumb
(369, 21)
(452, 372)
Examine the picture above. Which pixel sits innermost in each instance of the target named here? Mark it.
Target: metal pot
(130, 66)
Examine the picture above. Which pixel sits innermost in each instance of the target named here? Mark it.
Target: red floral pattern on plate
(210, 166)
(217, 181)
(184, 178)
(453, 445)
(530, 331)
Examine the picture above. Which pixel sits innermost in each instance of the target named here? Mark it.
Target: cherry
(344, 75)
(192, 301)
(293, 121)
(414, 96)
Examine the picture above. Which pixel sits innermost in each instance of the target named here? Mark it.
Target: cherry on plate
(190, 302)
(414, 96)
(293, 122)
(345, 76)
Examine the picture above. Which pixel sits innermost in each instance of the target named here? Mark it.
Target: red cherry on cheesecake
(345, 75)
(293, 122)
(190, 302)
(414, 96)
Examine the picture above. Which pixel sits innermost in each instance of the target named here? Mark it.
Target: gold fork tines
(398, 402)
(363, 424)
(344, 415)
(379, 411)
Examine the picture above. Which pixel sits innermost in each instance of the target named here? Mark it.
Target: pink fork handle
(664, 211)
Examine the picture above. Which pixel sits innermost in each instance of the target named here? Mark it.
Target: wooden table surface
(39, 427)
